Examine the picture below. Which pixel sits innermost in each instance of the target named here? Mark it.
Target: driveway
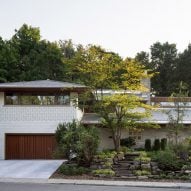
(28, 168)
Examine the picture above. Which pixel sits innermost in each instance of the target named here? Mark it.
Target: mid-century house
(31, 111)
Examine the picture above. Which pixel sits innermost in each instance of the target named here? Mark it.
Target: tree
(184, 67)
(163, 61)
(176, 115)
(121, 112)
(143, 58)
(97, 66)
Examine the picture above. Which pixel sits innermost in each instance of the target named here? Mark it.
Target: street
(69, 187)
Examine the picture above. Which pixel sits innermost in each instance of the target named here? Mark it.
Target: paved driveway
(28, 168)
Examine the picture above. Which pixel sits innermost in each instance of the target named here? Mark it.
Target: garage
(30, 146)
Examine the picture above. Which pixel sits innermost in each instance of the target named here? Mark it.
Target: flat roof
(40, 84)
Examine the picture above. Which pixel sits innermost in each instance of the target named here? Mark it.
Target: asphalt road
(68, 187)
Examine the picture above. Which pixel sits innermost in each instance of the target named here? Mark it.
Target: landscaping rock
(142, 177)
(120, 156)
(146, 166)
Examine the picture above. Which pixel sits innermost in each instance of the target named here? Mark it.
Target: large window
(36, 99)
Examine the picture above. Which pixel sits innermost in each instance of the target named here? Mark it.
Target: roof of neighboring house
(159, 116)
(40, 84)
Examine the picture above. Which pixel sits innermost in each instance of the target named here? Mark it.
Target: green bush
(182, 150)
(72, 170)
(143, 159)
(148, 145)
(163, 144)
(87, 144)
(75, 139)
(104, 172)
(167, 160)
(142, 172)
(157, 145)
(127, 142)
(67, 137)
(106, 154)
(125, 149)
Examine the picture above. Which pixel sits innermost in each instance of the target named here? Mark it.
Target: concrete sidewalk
(102, 183)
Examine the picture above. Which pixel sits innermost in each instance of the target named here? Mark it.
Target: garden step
(125, 162)
(124, 174)
(125, 171)
(132, 155)
(120, 167)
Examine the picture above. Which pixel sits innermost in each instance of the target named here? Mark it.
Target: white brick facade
(33, 119)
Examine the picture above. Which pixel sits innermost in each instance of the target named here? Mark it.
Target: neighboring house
(158, 116)
(30, 113)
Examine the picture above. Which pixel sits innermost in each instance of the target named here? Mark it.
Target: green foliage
(74, 139)
(167, 160)
(163, 143)
(163, 62)
(87, 144)
(103, 172)
(125, 149)
(157, 145)
(67, 137)
(142, 172)
(72, 170)
(106, 154)
(148, 145)
(182, 150)
(116, 113)
(128, 142)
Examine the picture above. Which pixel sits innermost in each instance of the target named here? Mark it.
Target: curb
(100, 183)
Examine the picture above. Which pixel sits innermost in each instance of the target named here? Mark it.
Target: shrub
(167, 160)
(104, 172)
(157, 145)
(142, 172)
(182, 150)
(106, 154)
(127, 142)
(148, 145)
(143, 159)
(76, 140)
(67, 137)
(72, 170)
(163, 144)
(125, 149)
(87, 144)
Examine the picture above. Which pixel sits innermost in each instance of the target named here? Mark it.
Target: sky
(122, 26)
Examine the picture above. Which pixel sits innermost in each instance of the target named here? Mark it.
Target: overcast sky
(123, 26)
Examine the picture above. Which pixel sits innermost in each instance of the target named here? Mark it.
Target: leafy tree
(120, 111)
(97, 66)
(184, 67)
(143, 58)
(163, 61)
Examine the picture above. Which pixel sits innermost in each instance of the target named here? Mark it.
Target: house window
(36, 99)
(135, 134)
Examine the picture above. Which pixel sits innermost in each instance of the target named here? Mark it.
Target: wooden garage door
(27, 146)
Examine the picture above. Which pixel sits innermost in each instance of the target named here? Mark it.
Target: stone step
(124, 174)
(125, 162)
(121, 167)
(123, 171)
